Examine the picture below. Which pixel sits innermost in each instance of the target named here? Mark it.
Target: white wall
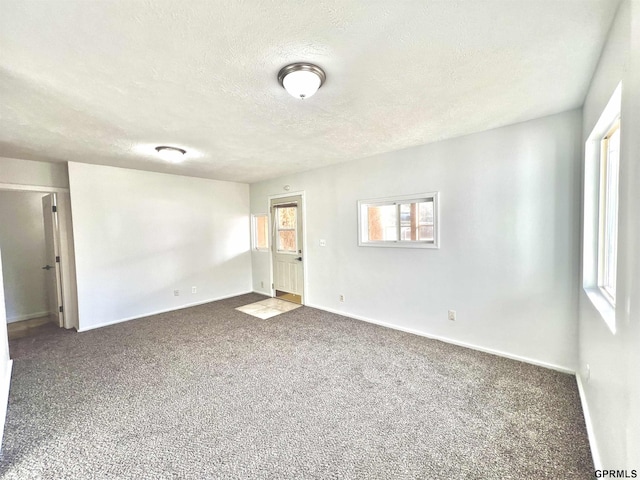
(141, 235)
(5, 362)
(23, 244)
(27, 172)
(508, 262)
(613, 390)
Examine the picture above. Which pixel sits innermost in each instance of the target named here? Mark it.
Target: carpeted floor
(210, 392)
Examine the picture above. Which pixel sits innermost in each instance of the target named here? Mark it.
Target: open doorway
(37, 261)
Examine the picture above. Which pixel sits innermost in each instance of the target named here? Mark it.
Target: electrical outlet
(323, 243)
(176, 293)
(194, 289)
(341, 298)
(452, 315)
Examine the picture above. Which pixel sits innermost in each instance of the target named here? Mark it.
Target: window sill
(603, 306)
(404, 244)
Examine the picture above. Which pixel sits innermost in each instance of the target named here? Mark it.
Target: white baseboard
(595, 454)
(157, 312)
(5, 384)
(28, 316)
(452, 341)
(267, 294)
(4, 387)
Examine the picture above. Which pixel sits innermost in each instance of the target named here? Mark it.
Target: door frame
(303, 206)
(53, 256)
(67, 252)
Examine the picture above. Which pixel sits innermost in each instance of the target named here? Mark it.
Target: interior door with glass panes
(288, 270)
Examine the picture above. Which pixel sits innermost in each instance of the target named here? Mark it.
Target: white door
(288, 270)
(54, 283)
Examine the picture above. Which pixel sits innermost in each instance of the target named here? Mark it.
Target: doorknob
(299, 259)
(47, 267)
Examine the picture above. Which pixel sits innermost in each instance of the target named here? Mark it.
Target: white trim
(592, 210)
(608, 116)
(157, 312)
(28, 316)
(305, 282)
(603, 306)
(68, 261)
(5, 385)
(595, 454)
(472, 346)
(32, 188)
(254, 234)
(261, 293)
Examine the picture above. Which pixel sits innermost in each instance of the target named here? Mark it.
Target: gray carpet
(210, 392)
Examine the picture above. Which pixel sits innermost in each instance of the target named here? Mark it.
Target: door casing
(303, 241)
(67, 251)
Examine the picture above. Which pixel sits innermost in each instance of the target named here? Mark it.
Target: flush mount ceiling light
(301, 80)
(171, 154)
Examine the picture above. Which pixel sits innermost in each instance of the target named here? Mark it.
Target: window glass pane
(261, 232)
(407, 221)
(405, 213)
(287, 217)
(426, 230)
(426, 213)
(287, 241)
(416, 221)
(610, 226)
(381, 222)
(426, 233)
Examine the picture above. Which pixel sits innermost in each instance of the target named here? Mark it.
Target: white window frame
(398, 200)
(593, 222)
(254, 232)
(608, 212)
(277, 229)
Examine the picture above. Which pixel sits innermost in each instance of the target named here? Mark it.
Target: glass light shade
(301, 84)
(171, 154)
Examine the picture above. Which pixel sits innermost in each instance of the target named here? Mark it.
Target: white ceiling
(105, 81)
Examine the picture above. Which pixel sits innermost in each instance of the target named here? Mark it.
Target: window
(261, 232)
(608, 209)
(286, 224)
(407, 221)
(600, 241)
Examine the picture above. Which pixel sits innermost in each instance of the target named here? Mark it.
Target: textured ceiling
(105, 81)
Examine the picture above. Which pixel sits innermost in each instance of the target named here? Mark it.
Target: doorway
(287, 252)
(38, 266)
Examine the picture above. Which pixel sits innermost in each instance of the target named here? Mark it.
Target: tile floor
(268, 308)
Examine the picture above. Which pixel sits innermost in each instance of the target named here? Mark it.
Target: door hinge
(61, 309)
(57, 259)
(272, 286)
(54, 209)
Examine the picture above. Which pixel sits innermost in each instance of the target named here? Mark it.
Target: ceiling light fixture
(301, 80)
(171, 154)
